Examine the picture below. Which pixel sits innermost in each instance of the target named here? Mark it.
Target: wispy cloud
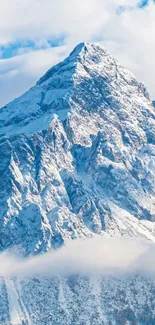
(13, 49)
(125, 27)
(95, 256)
(19, 73)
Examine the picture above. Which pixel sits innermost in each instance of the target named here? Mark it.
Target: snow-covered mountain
(77, 155)
(77, 159)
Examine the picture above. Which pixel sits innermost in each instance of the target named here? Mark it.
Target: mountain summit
(88, 72)
(77, 159)
(77, 155)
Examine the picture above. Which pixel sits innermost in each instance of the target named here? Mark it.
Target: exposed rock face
(74, 150)
(77, 158)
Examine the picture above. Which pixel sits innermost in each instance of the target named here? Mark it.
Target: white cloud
(19, 73)
(39, 20)
(129, 36)
(95, 256)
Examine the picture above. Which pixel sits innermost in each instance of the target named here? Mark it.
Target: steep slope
(77, 158)
(77, 155)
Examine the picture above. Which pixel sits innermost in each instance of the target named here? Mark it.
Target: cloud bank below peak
(96, 256)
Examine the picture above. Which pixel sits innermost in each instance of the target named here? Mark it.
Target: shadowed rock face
(153, 103)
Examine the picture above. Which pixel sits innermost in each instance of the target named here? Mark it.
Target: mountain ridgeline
(77, 154)
(77, 158)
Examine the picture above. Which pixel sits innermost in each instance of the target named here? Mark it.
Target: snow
(77, 159)
(13, 303)
(94, 300)
(18, 311)
(79, 154)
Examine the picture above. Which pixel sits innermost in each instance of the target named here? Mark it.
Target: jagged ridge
(77, 155)
(77, 158)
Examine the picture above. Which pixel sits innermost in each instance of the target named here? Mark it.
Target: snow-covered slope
(77, 158)
(77, 301)
(77, 155)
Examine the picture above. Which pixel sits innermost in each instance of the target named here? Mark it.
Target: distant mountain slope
(77, 300)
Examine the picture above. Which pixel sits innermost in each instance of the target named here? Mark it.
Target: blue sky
(22, 46)
(143, 3)
(33, 40)
(13, 49)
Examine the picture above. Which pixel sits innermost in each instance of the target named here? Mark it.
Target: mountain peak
(87, 47)
(79, 47)
(88, 80)
(78, 142)
(80, 53)
(77, 159)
